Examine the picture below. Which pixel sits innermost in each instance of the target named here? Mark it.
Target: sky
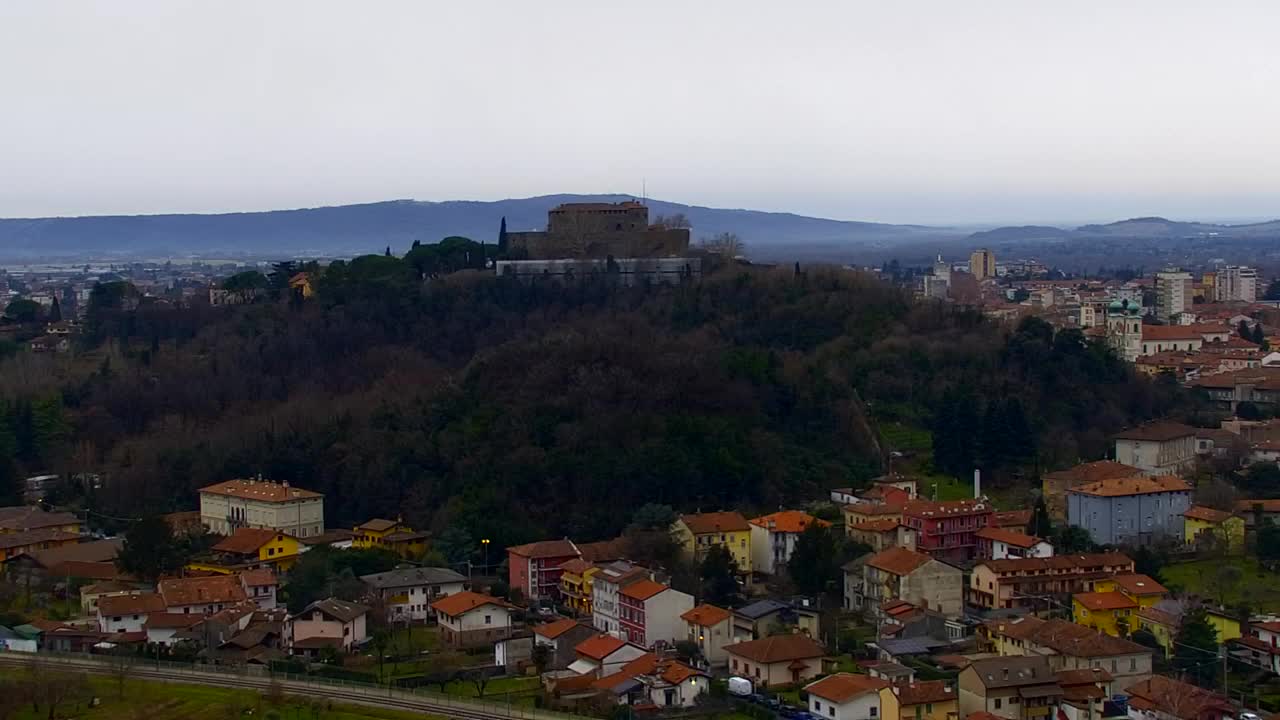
(925, 111)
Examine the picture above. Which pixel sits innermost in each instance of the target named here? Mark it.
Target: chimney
(948, 686)
(285, 483)
(977, 484)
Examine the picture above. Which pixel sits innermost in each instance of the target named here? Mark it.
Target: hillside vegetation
(517, 412)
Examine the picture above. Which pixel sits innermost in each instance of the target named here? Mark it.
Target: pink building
(535, 568)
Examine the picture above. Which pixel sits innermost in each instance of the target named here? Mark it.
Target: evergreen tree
(719, 577)
(1244, 331)
(502, 237)
(150, 550)
(813, 561)
(1195, 650)
(55, 313)
(1268, 543)
(1259, 336)
(387, 252)
(1041, 525)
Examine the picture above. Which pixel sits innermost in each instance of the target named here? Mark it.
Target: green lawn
(1251, 584)
(170, 701)
(495, 687)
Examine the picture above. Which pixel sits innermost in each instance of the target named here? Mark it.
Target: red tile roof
(260, 577)
(141, 604)
(219, 589)
(777, 648)
(464, 602)
(1036, 566)
(553, 630)
(246, 541)
(1139, 584)
(706, 616)
(927, 691)
(1011, 519)
(1207, 514)
(546, 549)
(1104, 600)
(842, 687)
(897, 560)
(1159, 431)
(946, 508)
(260, 490)
(715, 522)
(873, 509)
(1008, 537)
(1091, 472)
(599, 647)
(577, 566)
(788, 521)
(643, 589)
(167, 620)
(881, 525)
(1141, 485)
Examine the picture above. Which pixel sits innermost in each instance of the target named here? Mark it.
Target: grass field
(1252, 584)
(168, 701)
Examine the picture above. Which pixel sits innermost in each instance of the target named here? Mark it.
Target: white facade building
(1173, 294)
(260, 503)
(1236, 283)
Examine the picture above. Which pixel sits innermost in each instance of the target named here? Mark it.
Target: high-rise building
(1236, 283)
(1173, 294)
(982, 264)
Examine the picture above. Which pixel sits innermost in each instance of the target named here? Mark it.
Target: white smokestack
(977, 484)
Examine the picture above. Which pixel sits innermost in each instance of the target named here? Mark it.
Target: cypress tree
(502, 237)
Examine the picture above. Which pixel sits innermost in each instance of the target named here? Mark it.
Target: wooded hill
(517, 412)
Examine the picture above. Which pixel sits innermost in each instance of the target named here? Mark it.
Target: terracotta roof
(1159, 431)
(1267, 505)
(1162, 617)
(95, 551)
(881, 525)
(1207, 514)
(260, 577)
(872, 509)
(1104, 600)
(599, 647)
(377, 525)
(1033, 566)
(89, 570)
(676, 672)
(44, 625)
(577, 566)
(1012, 518)
(715, 522)
(260, 490)
(1065, 637)
(22, 517)
(168, 620)
(706, 615)
(926, 691)
(1156, 333)
(546, 549)
(643, 589)
(464, 602)
(1179, 699)
(27, 538)
(1008, 537)
(1139, 584)
(342, 610)
(219, 589)
(1083, 675)
(897, 560)
(788, 521)
(842, 687)
(1092, 472)
(553, 630)
(946, 508)
(605, 550)
(246, 541)
(1141, 485)
(140, 604)
(777, 648)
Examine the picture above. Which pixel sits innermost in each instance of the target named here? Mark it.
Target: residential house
(1113, 613)
(1084, 693)
(25, 542)
(259, 547)
(407, 593)
(90, 594)
(653, 682)
(162, 628)
(127, 613)
(650, 613)
(1136, 510)
(773, 538)
(882, 534)
(902, 574)
(260, 585)
(71, 640)
(1016, 520)
(92, 560)
(698, 533)
(329, 623)
(259, 503)
(23, 518)
(777, 660)
(201, 595)
(998, 544)
(575, 585)
(845, 696)
(1157, 448)
(1260, 386)
(1259, 646)
(603, 655)
(711, 629)
(765, 617)
(1056, 484)
(1016, 688)
(1141, 589)
(336, 538)
(535, 569)
(1163, 623)
(1226, 625)
(947, 530)
(923, 700)
(470, 619)
(863, 512)
(1038, 583)
(1162, 698)
(562, 636)
(393, 535)
(606, 584)
(1068, 646)
(1205, 527)
(1251, 509)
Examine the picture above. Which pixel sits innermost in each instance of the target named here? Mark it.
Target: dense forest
(458, 399)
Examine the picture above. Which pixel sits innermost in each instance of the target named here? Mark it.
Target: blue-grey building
(1130, 511)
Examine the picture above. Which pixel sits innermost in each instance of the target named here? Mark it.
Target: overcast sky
(891, 110)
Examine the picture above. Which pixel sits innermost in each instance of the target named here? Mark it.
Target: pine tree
(1196, 649)
(55, 313)
(1041, 525)
(149, 550)
(1259, 336)
(502, 237)
(1244, 330)
(719, 581)
(388, 251)
(812, 564)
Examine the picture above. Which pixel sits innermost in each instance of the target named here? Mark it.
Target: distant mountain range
(366, 228)
(1143, 227)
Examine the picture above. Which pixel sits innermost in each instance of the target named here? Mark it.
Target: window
(1133, 664)
(874, 711)
(997, 703)
(1113, 666)
(488, 619)
(116, 619)
(831, 710)
(817, 705)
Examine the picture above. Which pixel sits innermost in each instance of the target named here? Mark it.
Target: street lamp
(485, 543)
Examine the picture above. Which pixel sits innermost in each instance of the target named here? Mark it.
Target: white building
(409, 592)
(201, 595)
(1173, 294)
(773, 538)
(260, 585)
(470, 619)
(605, 586)
(845, 696)
(1236, 283)
(1158, 448)
(127, 613)
(650, 613)
(1001, 544)
(258, 503)
(334, 622)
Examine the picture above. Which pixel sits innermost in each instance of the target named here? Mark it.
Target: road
(330, 690)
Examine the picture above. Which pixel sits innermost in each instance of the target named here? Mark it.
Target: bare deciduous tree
(675, 221)
(726, 244)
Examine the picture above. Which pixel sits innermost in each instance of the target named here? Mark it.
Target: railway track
(351, 694)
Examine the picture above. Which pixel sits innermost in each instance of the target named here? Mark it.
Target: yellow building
(258, 547)
(1227, 627)
(300, 284)
(391, 535)
(1142, 589)
(982, 264)
(1204, 525)
(1162, 625)
(1113, 613)
(13, 544)
(697, 534)
(575, 585)
(863, 513)
(23, 519)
